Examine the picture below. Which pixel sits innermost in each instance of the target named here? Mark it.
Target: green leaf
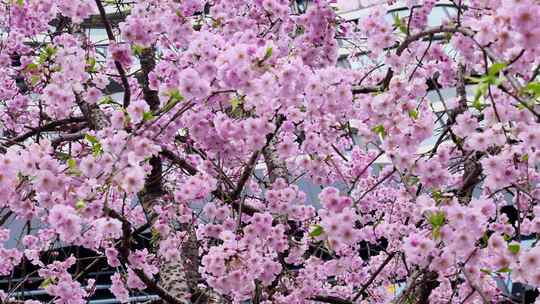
(31, 67)
(50, 50)
(436, 232)
(80, 205)
(474, 79)
(96, 145)
(175, 94)
(486, 271)
(34, 79)
(46, 53)
(174, 98)
(477, 104)
(437, 219)
(514, 248)
(504, 269)
(148, 116)
(485, 81)
(106, 100)
(42, 58)
(170, 104)
(316, 230)
(97, 150)
(481, 90)
(437, 196)
(492, 80)
(72, 167)
(91, 63)
(72, 164)
(523, 106)
(47, 282)
(20, 3)
(413, 114)
(91, 138)
(533, 88)
(216, 22)
(496, 68)
(411, 180)
(235, 102)
(267, 55)
(398, 22)
(380, 130)
(137, 49)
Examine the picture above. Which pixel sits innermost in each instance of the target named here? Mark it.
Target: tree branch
(121, 71)
(45, 128)
(374, 276)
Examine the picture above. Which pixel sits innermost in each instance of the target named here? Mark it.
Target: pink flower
(46, 181)
(466, 125)
(90, 167)
(108, 228)
(112, 257)
(133, 281)
(117, 119)
(133, 179)
(67, 292)
(121, 53)
(136, 110)
(92, 95)
(118, 289)
(530, 259)
(192, 86)
(65, 221)
(140, 260)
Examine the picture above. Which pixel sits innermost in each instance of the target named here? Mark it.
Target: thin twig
(374, 276)
(121, 71)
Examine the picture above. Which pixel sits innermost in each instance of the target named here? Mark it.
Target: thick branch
(93, 114)
(67, 137)
(153, 185)
(182, 163)
(124, 254)
(45, 128)
(276, 168)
